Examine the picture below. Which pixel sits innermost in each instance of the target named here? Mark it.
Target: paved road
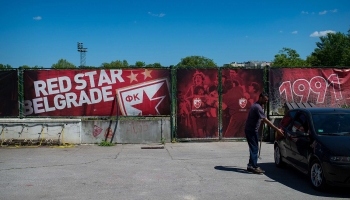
(212, 170)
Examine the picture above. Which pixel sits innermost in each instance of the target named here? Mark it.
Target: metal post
(173, 102)
(20, 92)
(220, 103)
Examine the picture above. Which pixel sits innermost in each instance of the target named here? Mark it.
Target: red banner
(323, 87)
(139, 92)
(197, 99)
(197, 109)
(8, 93)
(240, 89)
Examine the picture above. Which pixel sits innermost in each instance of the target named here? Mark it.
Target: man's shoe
(257, 170)
(263, 171)
(250, 169)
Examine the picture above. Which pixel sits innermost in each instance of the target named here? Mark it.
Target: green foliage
(5, 66)
(332, 50)
(345, 106)
(162, 140)
(174, 140)
(87, 67)
(115, 65)
(28, 67)
(63, 64)
(106, 144)
(140, 64)
(196, 61)
(154, 65)
(288, 57)
(227, 66)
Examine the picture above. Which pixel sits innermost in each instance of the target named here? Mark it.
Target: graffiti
(108, 133)
(137, 127)
(317, 85)
(97, 131)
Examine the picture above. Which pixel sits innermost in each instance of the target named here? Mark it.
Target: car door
(299, 141)
(285, 143)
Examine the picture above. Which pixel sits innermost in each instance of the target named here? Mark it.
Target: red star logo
(148, 106)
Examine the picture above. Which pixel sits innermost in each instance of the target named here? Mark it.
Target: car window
(300, 123)
(332, 124)
(287, 119)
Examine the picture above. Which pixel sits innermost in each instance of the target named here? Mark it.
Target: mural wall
(146, 92)
(198, 101)
(9, 93)
(325, 87)
(139, 92)
(240, 89)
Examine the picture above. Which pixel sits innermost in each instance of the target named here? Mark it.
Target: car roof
(315, 110)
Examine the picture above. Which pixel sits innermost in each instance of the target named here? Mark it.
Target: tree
(332, 50)
(288, 57)
(5, 66)
(196, 61)
(63, 64)
(115, 64)
(140, 64)
(28, 67)
(87, 67)
(154, 65)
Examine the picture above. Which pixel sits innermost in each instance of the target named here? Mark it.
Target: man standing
(255, 117)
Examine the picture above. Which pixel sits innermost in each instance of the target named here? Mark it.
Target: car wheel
(278, 157)
(316, 175)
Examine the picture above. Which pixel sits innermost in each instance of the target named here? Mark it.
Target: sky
(41, 32)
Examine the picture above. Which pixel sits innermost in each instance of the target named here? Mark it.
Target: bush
(105, 144)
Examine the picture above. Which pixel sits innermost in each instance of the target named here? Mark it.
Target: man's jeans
(252, 139)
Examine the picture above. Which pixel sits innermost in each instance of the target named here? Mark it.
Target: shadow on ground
(291, 178)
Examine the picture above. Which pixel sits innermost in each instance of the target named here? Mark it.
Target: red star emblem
(148, 106)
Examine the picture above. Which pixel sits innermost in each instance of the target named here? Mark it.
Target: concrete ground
(202, 170)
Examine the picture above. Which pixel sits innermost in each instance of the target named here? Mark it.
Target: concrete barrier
(136, 131)
(40, 129)
(77, 131)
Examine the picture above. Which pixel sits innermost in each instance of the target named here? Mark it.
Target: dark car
(316, 141)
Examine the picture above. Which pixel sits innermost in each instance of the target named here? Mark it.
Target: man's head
(199, 90)
(253, 87)
(233, 73)
(213, 92)
(235, 83)
(263, 98)
(180, 95)
(198, 78)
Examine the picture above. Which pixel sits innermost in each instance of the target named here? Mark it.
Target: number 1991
(318, 85)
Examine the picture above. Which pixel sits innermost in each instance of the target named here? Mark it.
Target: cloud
(156, 15)
(295, 32)
(326, 11)
(321, 33)
(281, 31)
(323, 12)
(37, 18)
(304, 12)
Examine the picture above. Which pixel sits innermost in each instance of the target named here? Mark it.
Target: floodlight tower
(82, 51)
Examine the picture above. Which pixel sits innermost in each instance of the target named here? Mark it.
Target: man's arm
(265, 120)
